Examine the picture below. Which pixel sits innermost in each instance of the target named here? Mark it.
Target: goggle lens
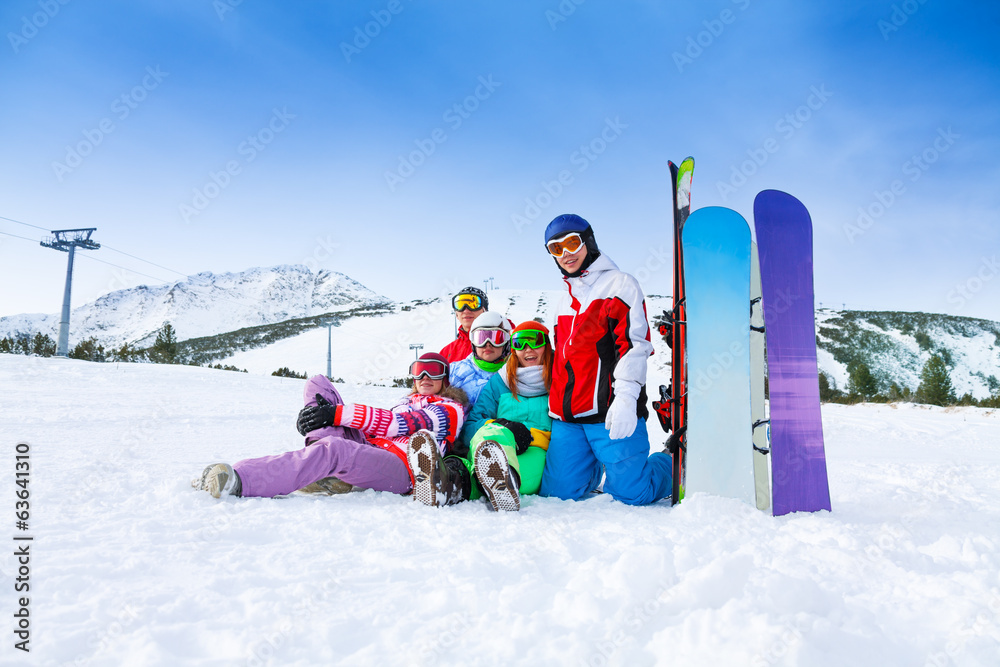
(435, 370)
(466, 302)
(526, 339)
(498, 337)
(571, 243)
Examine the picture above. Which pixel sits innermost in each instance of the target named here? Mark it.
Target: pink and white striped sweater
(441, 416)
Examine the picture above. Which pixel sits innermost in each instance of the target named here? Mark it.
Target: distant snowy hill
(203, 305)
(377, 349)
(894, 345)
(266, 318)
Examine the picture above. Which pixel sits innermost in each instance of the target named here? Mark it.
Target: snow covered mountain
(894, 345)
(265, 318)
(203, 305)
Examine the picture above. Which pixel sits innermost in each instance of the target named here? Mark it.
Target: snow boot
(329, 486)
(437, 481)
(496, 477)
(220, 479)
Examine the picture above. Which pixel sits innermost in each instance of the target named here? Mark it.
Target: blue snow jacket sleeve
(486, 407)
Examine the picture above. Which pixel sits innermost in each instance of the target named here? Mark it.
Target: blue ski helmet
(567, 223)
(564, 224)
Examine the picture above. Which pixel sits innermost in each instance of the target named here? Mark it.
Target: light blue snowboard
(717, 276)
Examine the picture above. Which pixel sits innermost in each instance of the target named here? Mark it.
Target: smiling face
(571, 262)
(529, 357)
(467, 317)
(426, 386)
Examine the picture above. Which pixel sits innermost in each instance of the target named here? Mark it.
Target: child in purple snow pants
(331, 451)
(357, 444)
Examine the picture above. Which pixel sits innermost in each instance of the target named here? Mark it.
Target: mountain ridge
(266, 318)
(204, 304)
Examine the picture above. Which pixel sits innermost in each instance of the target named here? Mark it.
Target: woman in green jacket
(509, 427)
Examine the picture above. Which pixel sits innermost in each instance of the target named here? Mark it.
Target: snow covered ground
(131, 566)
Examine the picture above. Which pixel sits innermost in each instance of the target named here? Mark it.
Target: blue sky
(428, 153)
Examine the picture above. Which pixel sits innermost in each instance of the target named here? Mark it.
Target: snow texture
(131, 566)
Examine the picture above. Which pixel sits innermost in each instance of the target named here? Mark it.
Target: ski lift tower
(68, 240)
(329, 324)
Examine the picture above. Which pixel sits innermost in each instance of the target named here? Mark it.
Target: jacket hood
(456, 394)
(601, 264)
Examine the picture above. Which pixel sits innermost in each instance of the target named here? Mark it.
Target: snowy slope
(895, 346)
(203, 304)
(377, 349)
(133, 567)
(209, 305)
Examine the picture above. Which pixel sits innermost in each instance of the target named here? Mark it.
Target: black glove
(521, 433)
(317, 416)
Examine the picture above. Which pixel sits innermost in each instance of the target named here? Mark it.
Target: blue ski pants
(579, 453)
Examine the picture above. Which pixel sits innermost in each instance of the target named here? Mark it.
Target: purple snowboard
(798, 460)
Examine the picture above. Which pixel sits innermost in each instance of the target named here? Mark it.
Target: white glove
(622, 418)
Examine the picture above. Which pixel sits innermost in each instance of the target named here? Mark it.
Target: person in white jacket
(598, 395)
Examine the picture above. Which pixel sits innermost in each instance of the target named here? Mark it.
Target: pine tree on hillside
(43, 345)
(935, 385)
(88, 350)
(164, 350)
(861, 382)
(127, 353)
(827, 389)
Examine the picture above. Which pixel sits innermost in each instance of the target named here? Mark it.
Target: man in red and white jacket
(598, 393)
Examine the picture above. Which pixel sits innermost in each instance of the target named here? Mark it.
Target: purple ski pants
(331, 451)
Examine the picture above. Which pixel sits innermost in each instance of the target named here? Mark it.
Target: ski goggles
(571, 243)
(432, 368)
(524, 339)
(495, 337)
(466, 302)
